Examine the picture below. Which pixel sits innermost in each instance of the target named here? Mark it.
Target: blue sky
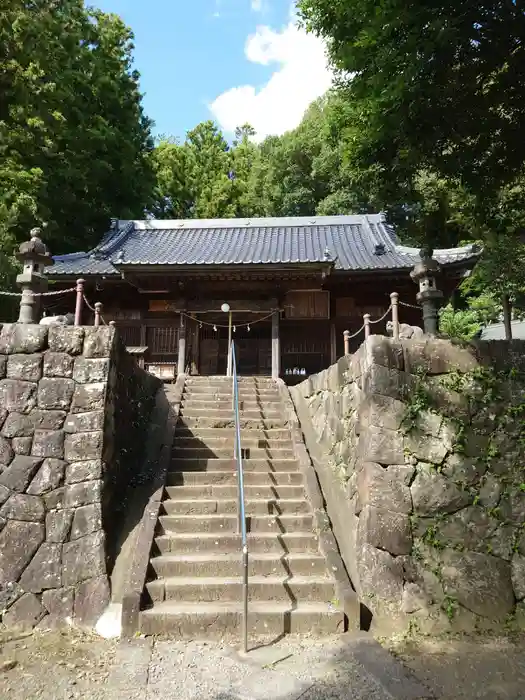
(229, 60)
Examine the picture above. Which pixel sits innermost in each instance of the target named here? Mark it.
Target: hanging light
(200, 324)
(249, 328)
(234, 328)
(215, 329)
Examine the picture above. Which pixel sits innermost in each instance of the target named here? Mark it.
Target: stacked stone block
(56, 457)
(429, 525)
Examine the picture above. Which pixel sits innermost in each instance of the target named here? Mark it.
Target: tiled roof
(363, 242)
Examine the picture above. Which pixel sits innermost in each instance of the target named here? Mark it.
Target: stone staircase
(195, 586)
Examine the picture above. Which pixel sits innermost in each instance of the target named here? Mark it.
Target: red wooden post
(98, 312)
(366, 321)
(346, 338)
(394, 299)
(79, 301)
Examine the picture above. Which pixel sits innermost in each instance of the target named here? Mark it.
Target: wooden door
(209, 356)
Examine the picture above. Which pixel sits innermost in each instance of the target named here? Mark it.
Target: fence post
(366, 322)
(79, 300)
(394, 300)
(98, 312)
(346, 339)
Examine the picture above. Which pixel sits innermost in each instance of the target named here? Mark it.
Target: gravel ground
(54, 666)
(63, 666)
(294, 668)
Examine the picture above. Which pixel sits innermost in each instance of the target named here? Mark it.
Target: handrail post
(346, 340)
(78, 303)
(394, 300)
(366, 322)
(98, 311)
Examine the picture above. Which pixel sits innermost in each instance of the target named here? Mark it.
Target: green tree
(74, 141)
(437, 83)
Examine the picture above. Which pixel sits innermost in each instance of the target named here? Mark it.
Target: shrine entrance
(253, 344)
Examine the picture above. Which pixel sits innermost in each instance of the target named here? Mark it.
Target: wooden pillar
(276, 348)
(333, 344)
(195, 346)
(182, 346)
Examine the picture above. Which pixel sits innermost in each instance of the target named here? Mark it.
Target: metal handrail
(242, 504)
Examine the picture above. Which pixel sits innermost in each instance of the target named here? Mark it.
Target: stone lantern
(34, 256)
(429, 296)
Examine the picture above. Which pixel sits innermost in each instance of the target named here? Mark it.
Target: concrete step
(222, 620)
(246, 403)
(253, 507)
(259, 564)
(226, 452)
(214, 464)
(228, 441)
(227, 390)
(218, 542)
(228, 523)
(242, 379)
(229, 477)
(225, 491)
(260, 588)
(204, 433)
(227, 413)
(228, 422)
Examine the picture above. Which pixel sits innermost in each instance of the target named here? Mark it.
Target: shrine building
(290, 286)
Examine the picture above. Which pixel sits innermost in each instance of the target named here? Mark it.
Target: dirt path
(64, 666)
(54, 666)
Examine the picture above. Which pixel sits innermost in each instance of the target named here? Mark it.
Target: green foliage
(74, 142)
(435, 83)
(417, 401)
(463, 325)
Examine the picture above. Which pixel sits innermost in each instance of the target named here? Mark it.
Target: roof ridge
(111, 242)
(248, 222)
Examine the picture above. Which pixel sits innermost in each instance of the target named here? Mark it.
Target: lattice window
(162, 340)
(129, 334)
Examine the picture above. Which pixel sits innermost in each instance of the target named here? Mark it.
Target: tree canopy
(435, 83)
(424, 124)
(74, 142)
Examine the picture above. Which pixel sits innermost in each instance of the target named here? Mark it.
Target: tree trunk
(507, 316)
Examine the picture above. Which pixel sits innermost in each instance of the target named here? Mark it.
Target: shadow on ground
(488, 668)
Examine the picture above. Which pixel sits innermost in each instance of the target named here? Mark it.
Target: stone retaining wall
(419, 447)
(73, 405)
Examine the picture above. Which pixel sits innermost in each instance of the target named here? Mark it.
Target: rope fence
(395, 303)
(98, 319)
(38, 294)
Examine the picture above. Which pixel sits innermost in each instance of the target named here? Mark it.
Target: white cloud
(302, 76)
(257, 5)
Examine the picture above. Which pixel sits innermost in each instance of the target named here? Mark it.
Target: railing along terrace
(395, 303)
(29, 297)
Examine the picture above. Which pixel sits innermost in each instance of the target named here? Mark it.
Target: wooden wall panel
(307, 304)
(344, 306)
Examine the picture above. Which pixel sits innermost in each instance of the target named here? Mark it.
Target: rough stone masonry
(419, 447)
(64, 392)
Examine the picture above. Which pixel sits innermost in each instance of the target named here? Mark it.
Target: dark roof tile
(363, 242)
